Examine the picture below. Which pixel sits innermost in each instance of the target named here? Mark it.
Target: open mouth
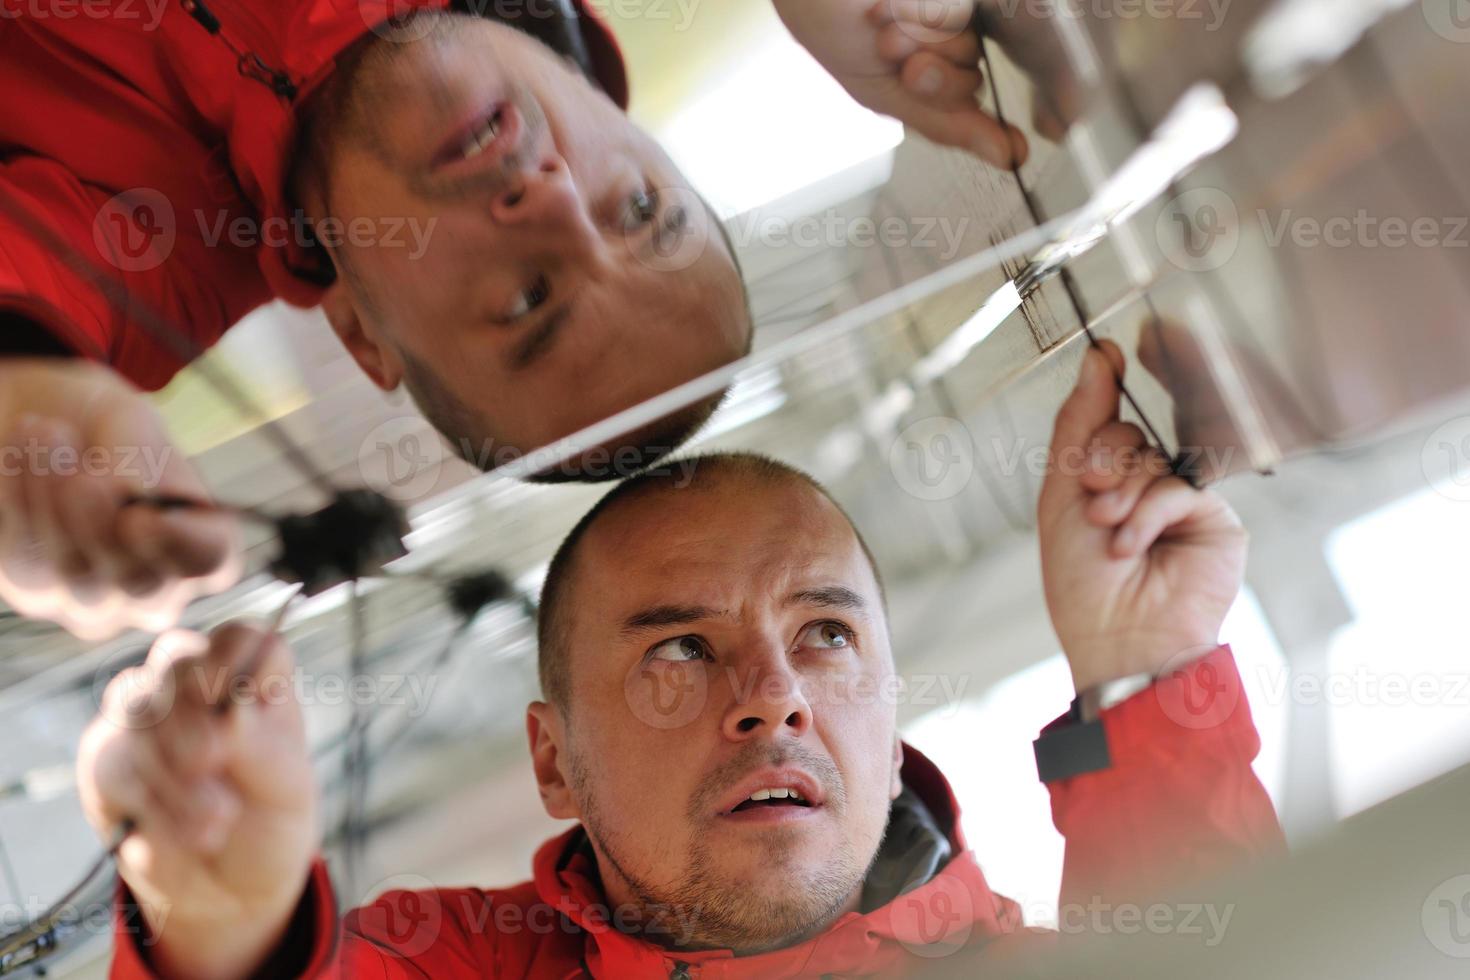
(771, 798)
(481, 141)
(773, 795)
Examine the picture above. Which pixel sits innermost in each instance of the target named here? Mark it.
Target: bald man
(719, 717)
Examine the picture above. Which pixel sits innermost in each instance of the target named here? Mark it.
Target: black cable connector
(351, 538)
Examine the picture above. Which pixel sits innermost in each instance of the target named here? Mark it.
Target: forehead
(738, 540)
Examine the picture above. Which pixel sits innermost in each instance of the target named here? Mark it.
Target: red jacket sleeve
(1180, 803)
(312, 940)
(134, 239)
(404, 935)
(34, 282)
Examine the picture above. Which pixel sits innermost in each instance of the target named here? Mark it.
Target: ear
(378, 360)
(545, 730)
(897, 785)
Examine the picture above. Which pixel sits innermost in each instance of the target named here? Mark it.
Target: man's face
(723, 642)
(566, 273)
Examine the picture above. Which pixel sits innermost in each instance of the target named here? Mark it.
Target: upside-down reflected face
(728, 744)
(559, 269)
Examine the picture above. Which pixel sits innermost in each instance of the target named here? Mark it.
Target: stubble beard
(706, 907)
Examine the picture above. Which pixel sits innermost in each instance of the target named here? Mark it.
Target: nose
(768, 701)
(547, 200)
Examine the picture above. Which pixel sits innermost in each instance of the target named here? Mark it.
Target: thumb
(1094, 402)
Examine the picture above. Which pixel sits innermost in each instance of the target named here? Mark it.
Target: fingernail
(929, 81)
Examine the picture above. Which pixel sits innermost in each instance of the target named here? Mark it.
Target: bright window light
(1400, 707)
(774, 125)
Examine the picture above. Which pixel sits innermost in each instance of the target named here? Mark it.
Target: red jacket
(1179, 804)
(104, 101)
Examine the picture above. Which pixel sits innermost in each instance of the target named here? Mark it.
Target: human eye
(681, 649)
(529, 300)
(826, 635)
(640, 209)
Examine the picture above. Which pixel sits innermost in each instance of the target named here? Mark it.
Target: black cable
(38, 937)
(171, 503)
(438, 661)
(1078, 307)
(351, 538)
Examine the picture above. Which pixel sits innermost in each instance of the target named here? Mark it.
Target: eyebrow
(829, 597)
(526, 353)
(661, 617)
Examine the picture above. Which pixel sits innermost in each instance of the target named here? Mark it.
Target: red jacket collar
(953, 909)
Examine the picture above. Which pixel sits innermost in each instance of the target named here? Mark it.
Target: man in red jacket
(462, 194)
(481, 222)
(720, 719)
